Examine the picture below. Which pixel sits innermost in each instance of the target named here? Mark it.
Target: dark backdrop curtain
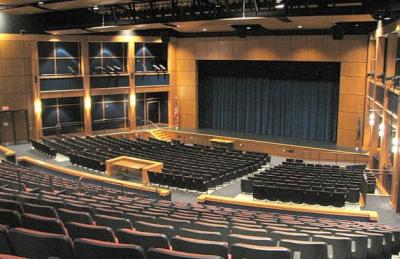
(291, 99)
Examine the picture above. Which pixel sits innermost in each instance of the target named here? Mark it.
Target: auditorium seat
(79, 230)
(160, 253)
(4, 241)
(134, 217)
(341, 246)
(306, 249)
(359, 245)
(375, 244)
(212, 228)
(10, 218)
(37, 245)
(75, 216)
(11, 205)
(248, 231)
(279, 235)
(200, 234)
(44, 224)
(167, 230)
(250, 240)
(113, 222)
(198, 246)
(243, 251)
(144, 239)
(176, 223)
(89, 248)
(45, 211)
(8, 256)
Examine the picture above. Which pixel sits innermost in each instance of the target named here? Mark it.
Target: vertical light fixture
(132, 99)
(372, 119)
(395, 145)
(38, 106)
(381, 129)
(88, 103)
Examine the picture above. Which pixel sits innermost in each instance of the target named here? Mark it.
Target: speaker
(337, 33)
(165, 37)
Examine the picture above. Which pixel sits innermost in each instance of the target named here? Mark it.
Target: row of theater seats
(192, 227)
(43, 148)
(213, 166)
(213, 230)
(295, 181)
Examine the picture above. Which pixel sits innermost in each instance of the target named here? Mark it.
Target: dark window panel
(46, 49)
(68, 66)
(67, 49)
(46, 67)
(94, 49)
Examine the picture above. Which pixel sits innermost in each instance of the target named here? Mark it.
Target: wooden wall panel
(351, 52)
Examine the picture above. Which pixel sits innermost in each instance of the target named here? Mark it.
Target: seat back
(37, 245)
(341, 246)
(67, 216)
(198, 246)
(41, 210)
(249, 240)
(224, 230)
(133, 217)
(249, 231)
(88, 248)
(10, 218)
(306, 249)
(359, 245)
(176, 223)
(11, 205)
(241, 251)
(167, 230)
(160, 253)
(44, 224)
(199, 234)
(4, 241)
(144, 239)
(279, 235)
(79, 230)
(112, 222)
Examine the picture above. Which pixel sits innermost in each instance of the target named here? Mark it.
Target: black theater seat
(144, 239)
(75, 216)
(10, 218)
(45, 211)
(44, 224)
(159, 253)
(190, 245)
(113, 222)
(249, 240)
(89, 249)
(306, 249)
(79, 230)
(200, 234)
(4, 241)
(38, 245)
(167, 230)
(243, 251)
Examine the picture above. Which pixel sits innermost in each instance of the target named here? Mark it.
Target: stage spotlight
(99, 68)
(156, 68)
(117, 68)
(164, 69)
(71, 70)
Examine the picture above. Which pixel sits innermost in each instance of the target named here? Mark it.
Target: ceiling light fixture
(95, 8)
(204, 29)
(279, 6)
(299, 26)
(40, 3)
(248, 28)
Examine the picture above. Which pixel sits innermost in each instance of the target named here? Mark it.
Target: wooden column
(132, 86)
(87, 110)
(172, 96)
(37, 103)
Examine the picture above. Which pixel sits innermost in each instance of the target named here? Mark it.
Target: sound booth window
(151, 57)
(107, 58)
(110, 111)
(62, 115)
(59, 58)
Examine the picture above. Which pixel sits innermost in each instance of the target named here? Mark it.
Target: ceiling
(182, 17)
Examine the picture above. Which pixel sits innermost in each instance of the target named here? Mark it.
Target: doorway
(14, 127)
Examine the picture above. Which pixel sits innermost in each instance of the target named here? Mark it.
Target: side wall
(351, 52)
(16, 76)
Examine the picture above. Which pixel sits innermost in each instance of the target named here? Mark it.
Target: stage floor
(273, 139)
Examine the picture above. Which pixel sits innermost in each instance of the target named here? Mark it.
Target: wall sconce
(395, 145)
(38, 106)
(371, 119)
(381, 131)
(132, 99)
(88, 103)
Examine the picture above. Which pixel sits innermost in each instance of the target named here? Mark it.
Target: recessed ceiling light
(204, 29)
(248, 28)
(356, 25)
(387, 18)
(40, 3)
(299, 26)
(95, 7)
(279, 6)
(178, 26)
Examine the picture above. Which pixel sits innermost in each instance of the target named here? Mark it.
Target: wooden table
(126, 162)
(218, 142)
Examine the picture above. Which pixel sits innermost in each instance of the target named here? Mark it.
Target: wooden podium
(131, 163)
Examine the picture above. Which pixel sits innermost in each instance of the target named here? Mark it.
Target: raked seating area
(86, 222)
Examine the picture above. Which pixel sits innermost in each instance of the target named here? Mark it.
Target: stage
(279, 146)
